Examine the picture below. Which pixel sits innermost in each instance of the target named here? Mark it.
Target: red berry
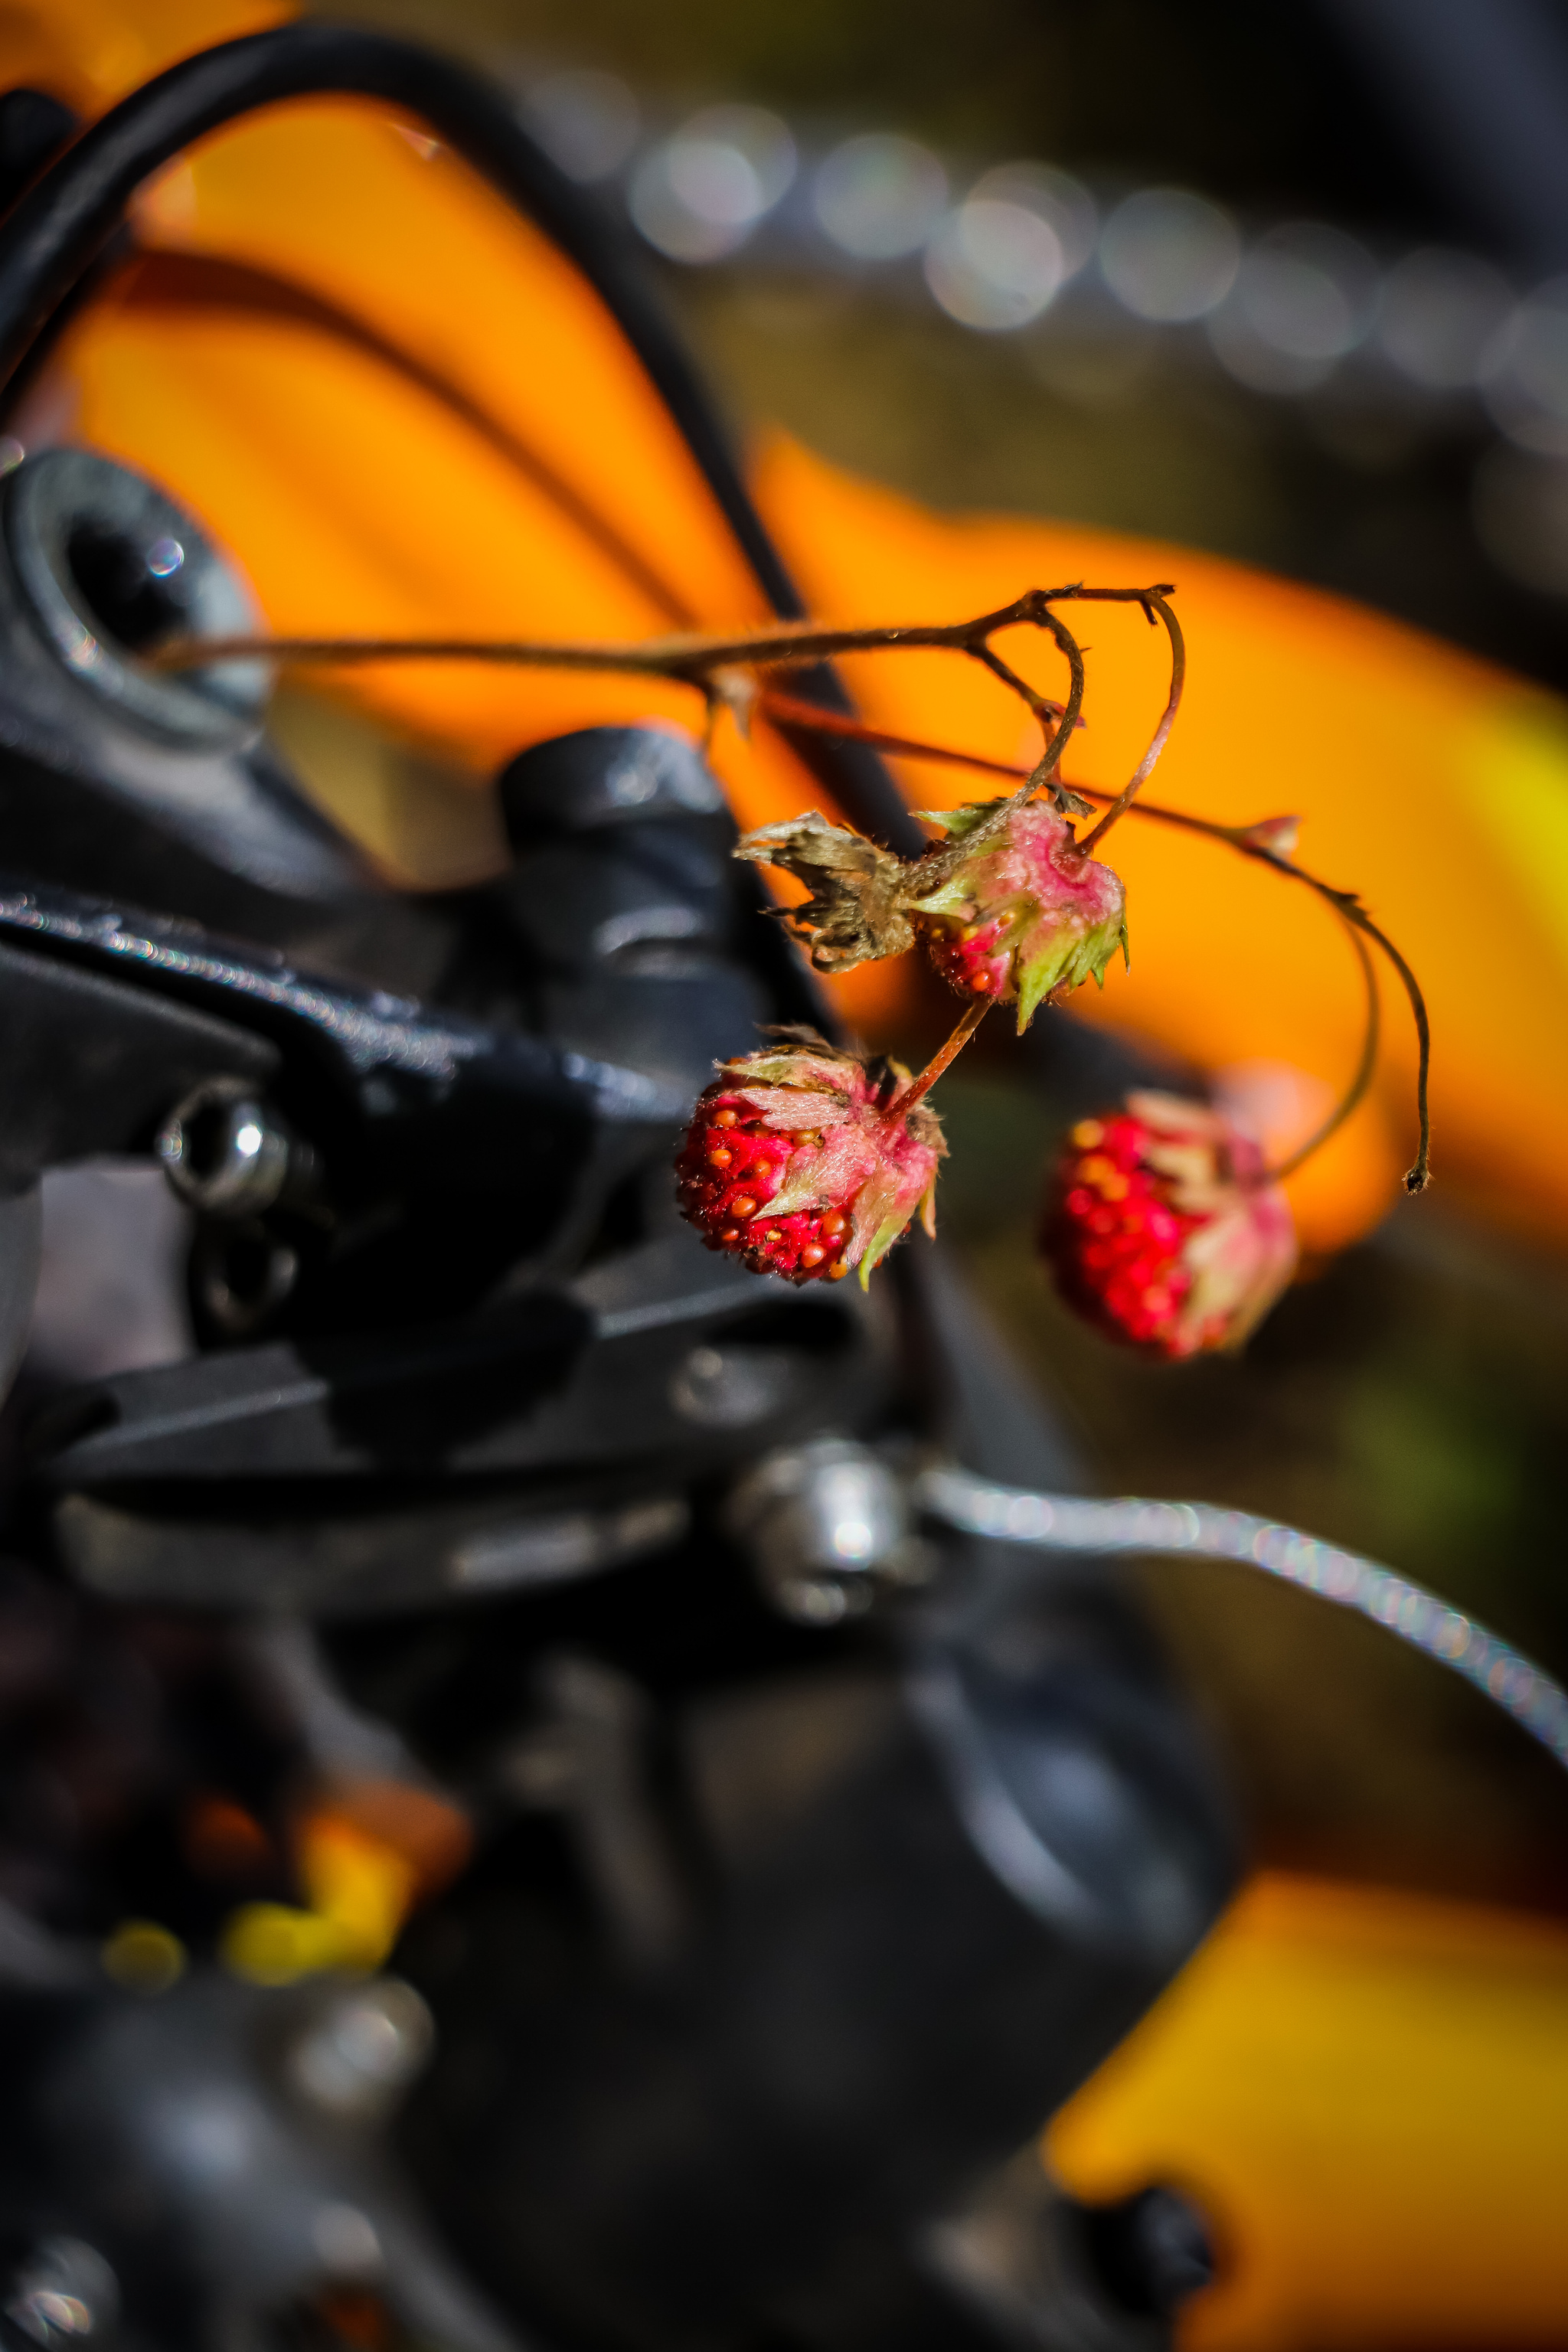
(812, 1177)
(1010, 908)
(1007, 904)
(1163, 1229)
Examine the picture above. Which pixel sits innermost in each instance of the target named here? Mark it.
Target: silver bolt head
(222, 1151)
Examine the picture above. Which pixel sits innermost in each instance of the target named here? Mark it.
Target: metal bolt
(222, 1151)
(828, 1525)
(361, 2050)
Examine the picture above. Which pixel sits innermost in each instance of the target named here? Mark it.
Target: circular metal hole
(111, 569)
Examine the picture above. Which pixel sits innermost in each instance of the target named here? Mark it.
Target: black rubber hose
(57, 231)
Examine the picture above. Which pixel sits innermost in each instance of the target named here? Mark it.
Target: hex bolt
(223, 1151)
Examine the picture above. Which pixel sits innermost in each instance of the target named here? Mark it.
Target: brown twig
(698, 658)
(1348, 906)
(695, 658)
(1154, 603)
(690, 656)
(1344, 902)
(789, 711)
(1354, 1093)
(1056, 720)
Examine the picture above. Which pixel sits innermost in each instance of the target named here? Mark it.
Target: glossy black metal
(753, 2126)
(172, 2135)
(414, 1094)
(596, 1372)
(89, 1064)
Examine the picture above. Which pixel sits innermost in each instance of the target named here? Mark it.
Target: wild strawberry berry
(1011, 908)
(1163, 1229)
(1007, 904)
(793, 1163)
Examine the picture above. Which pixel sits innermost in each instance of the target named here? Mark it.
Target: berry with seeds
(1163, 1229)
(798, 1162)
(1012, 909)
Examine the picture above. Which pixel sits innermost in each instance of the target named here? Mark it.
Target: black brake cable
(55, 233)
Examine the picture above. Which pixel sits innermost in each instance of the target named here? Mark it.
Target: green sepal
(1080, 958)
(958, 823)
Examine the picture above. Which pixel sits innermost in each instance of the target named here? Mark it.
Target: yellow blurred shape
(142, 1957)
(1367, 2092)
(357, 1890)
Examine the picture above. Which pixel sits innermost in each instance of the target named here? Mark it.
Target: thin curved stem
(1344, 902)
(1057, 720)
(1347, 905)
(1355, 1093)
(790, 711)
(974, 1014)
(688, 656)
(696, 659)
(693, 658)
(1154, 603)
(1417, 1177)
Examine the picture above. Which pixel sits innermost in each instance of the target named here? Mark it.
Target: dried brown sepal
(857, 912)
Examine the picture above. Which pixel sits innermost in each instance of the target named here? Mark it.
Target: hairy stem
(974, 1014)
(696, 659)
(1057, 720)
(1348, 907)
(1418, 1176)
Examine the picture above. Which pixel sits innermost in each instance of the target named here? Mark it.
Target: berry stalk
(918, 1088)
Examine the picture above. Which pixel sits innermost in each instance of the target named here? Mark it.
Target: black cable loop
(58, 229)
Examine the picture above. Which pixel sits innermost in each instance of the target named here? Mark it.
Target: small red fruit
(1163, 1229)
(793, 1163)
(1011, 907)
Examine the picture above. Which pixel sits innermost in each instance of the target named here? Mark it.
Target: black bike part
(111, 2105)
(34, 126)
(626, 907)
(1151, 2252)
(96, 792)
(745, 2136)
(393, 1092)
(59, 227)
(609, 782)
(742, 2139)
(595, 1372)
(90, 1065)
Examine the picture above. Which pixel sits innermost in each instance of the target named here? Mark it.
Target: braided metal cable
(1079, 1523)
